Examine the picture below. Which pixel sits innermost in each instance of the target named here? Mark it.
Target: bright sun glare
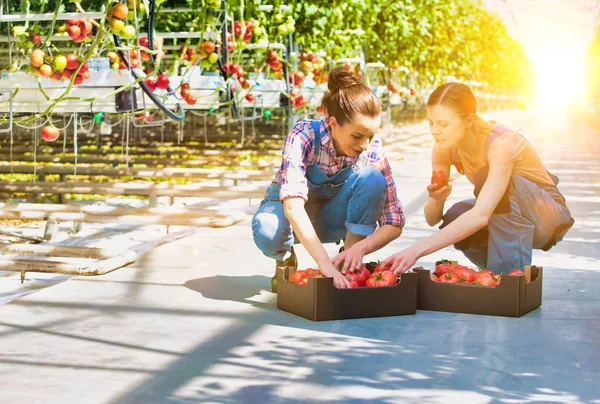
(559, 65)
(555, 34)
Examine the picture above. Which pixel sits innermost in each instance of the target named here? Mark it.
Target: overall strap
(497, 130)
(316, 126)
(455, 160)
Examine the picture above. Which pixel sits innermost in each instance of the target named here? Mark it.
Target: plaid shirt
(298, 152)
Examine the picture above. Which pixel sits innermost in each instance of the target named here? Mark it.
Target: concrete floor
(193, 321)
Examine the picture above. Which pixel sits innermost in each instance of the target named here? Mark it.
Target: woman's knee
(269, 232)
(370, 179)
(452, 214)
(455, 211)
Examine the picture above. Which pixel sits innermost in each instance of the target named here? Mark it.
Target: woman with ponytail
(334, 183)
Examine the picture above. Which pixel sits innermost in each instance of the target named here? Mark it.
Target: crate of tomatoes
(456, 288)
(374, 293)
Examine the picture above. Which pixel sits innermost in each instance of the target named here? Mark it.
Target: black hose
(142, 84)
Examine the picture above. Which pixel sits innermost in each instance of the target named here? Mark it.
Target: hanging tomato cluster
(116, 17)
(186, 94)
(59, 67)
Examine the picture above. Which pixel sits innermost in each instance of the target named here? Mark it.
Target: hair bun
(339, 78)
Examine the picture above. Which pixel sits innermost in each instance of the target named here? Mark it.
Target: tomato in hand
(439, 178)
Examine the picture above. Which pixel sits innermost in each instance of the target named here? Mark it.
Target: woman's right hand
(339, 280)
(439, 195)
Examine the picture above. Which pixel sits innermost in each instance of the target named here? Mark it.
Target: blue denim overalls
(348, 200)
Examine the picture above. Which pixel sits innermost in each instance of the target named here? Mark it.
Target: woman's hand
(352, 259)
(439, 195)
(339, 280)
(400, 262)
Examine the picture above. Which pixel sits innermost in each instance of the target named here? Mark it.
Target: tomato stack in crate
(374, 293)
(458, 289)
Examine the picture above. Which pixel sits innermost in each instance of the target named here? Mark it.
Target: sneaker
(292, 261)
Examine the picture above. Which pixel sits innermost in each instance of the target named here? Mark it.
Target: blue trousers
(353, 206)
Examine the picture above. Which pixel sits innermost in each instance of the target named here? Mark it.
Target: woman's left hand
(352, 259)
(401, 261)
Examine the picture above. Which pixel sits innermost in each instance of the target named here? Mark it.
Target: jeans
(354, 205)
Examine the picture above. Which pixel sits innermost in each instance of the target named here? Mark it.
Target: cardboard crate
(320, 300)
(514, 297)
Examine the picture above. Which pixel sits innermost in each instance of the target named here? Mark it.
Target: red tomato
(483, 272)
(449, 277)
(358, 279)
(74, 31)
(151, 84)
(440, 178)
(84, 68)
(144, 41)
(85, 27)
(441, 269)
(297, 78)
(379, 268)
(487, 280)
(185, 92)
(313, 272)
(49, 133)
(72, 61)
(434, 278)
(516, 272)
(365, 273)
(466, 275)
(384, 278)
(162, 81)
(299, 277)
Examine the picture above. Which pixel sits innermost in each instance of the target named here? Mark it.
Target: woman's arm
(465, 225)
(303, 228)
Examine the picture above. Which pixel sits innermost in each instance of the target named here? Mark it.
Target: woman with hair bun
(334, 183)
(517, 206)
